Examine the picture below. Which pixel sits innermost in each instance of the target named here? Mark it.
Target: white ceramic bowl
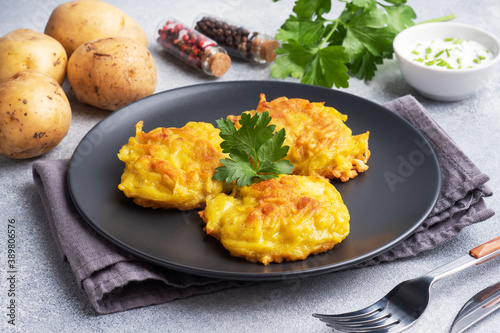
(440, 83)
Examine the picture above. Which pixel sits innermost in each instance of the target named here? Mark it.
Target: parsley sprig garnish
(255, 150)
(323, 52)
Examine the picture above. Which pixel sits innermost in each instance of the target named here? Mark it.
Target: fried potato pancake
(320, 142)
(286, 218)
(172, 167)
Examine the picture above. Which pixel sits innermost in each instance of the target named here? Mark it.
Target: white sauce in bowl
(451, 53)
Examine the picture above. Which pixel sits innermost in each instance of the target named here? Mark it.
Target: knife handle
(486, 248)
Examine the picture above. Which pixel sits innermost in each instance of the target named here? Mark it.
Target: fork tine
(374, 318)
(365, 313)
(349, 316)
(383, 323)
(377, 322)
(365, 329)
(365, 322)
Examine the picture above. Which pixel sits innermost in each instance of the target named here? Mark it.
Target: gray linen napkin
(116, 281)
(113, 279)
(460, 202)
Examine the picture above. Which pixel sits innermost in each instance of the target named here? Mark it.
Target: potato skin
(74, 23)
(35, 114)
(28, 49)
(110, 73)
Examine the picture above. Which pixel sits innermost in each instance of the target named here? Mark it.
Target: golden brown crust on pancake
(320, 142)
(287, 218)
(172, 167)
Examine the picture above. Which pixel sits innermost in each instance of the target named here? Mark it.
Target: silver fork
(404, 304)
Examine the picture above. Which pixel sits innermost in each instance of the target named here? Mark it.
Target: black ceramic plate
(387, 202)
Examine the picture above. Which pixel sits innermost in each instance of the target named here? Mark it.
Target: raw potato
(110, 73)
(28, 49)
(74, 23)
(35, 114)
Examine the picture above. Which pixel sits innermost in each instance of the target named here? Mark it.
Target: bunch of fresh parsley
(255, 150)
(324, 52)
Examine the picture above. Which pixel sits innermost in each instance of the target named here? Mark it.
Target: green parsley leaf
(255, 150)
(324, 52)
(309, 9)
(400, 17)
(294, 61)
(305, 32)
(328, 68)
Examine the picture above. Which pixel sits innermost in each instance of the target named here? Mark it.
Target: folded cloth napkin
(460, 202)
(116, 281)
(113, 279)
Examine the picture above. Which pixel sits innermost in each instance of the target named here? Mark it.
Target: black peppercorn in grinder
(237, 40)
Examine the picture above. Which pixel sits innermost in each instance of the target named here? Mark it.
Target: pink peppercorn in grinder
(193, 48)
(237, 40)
